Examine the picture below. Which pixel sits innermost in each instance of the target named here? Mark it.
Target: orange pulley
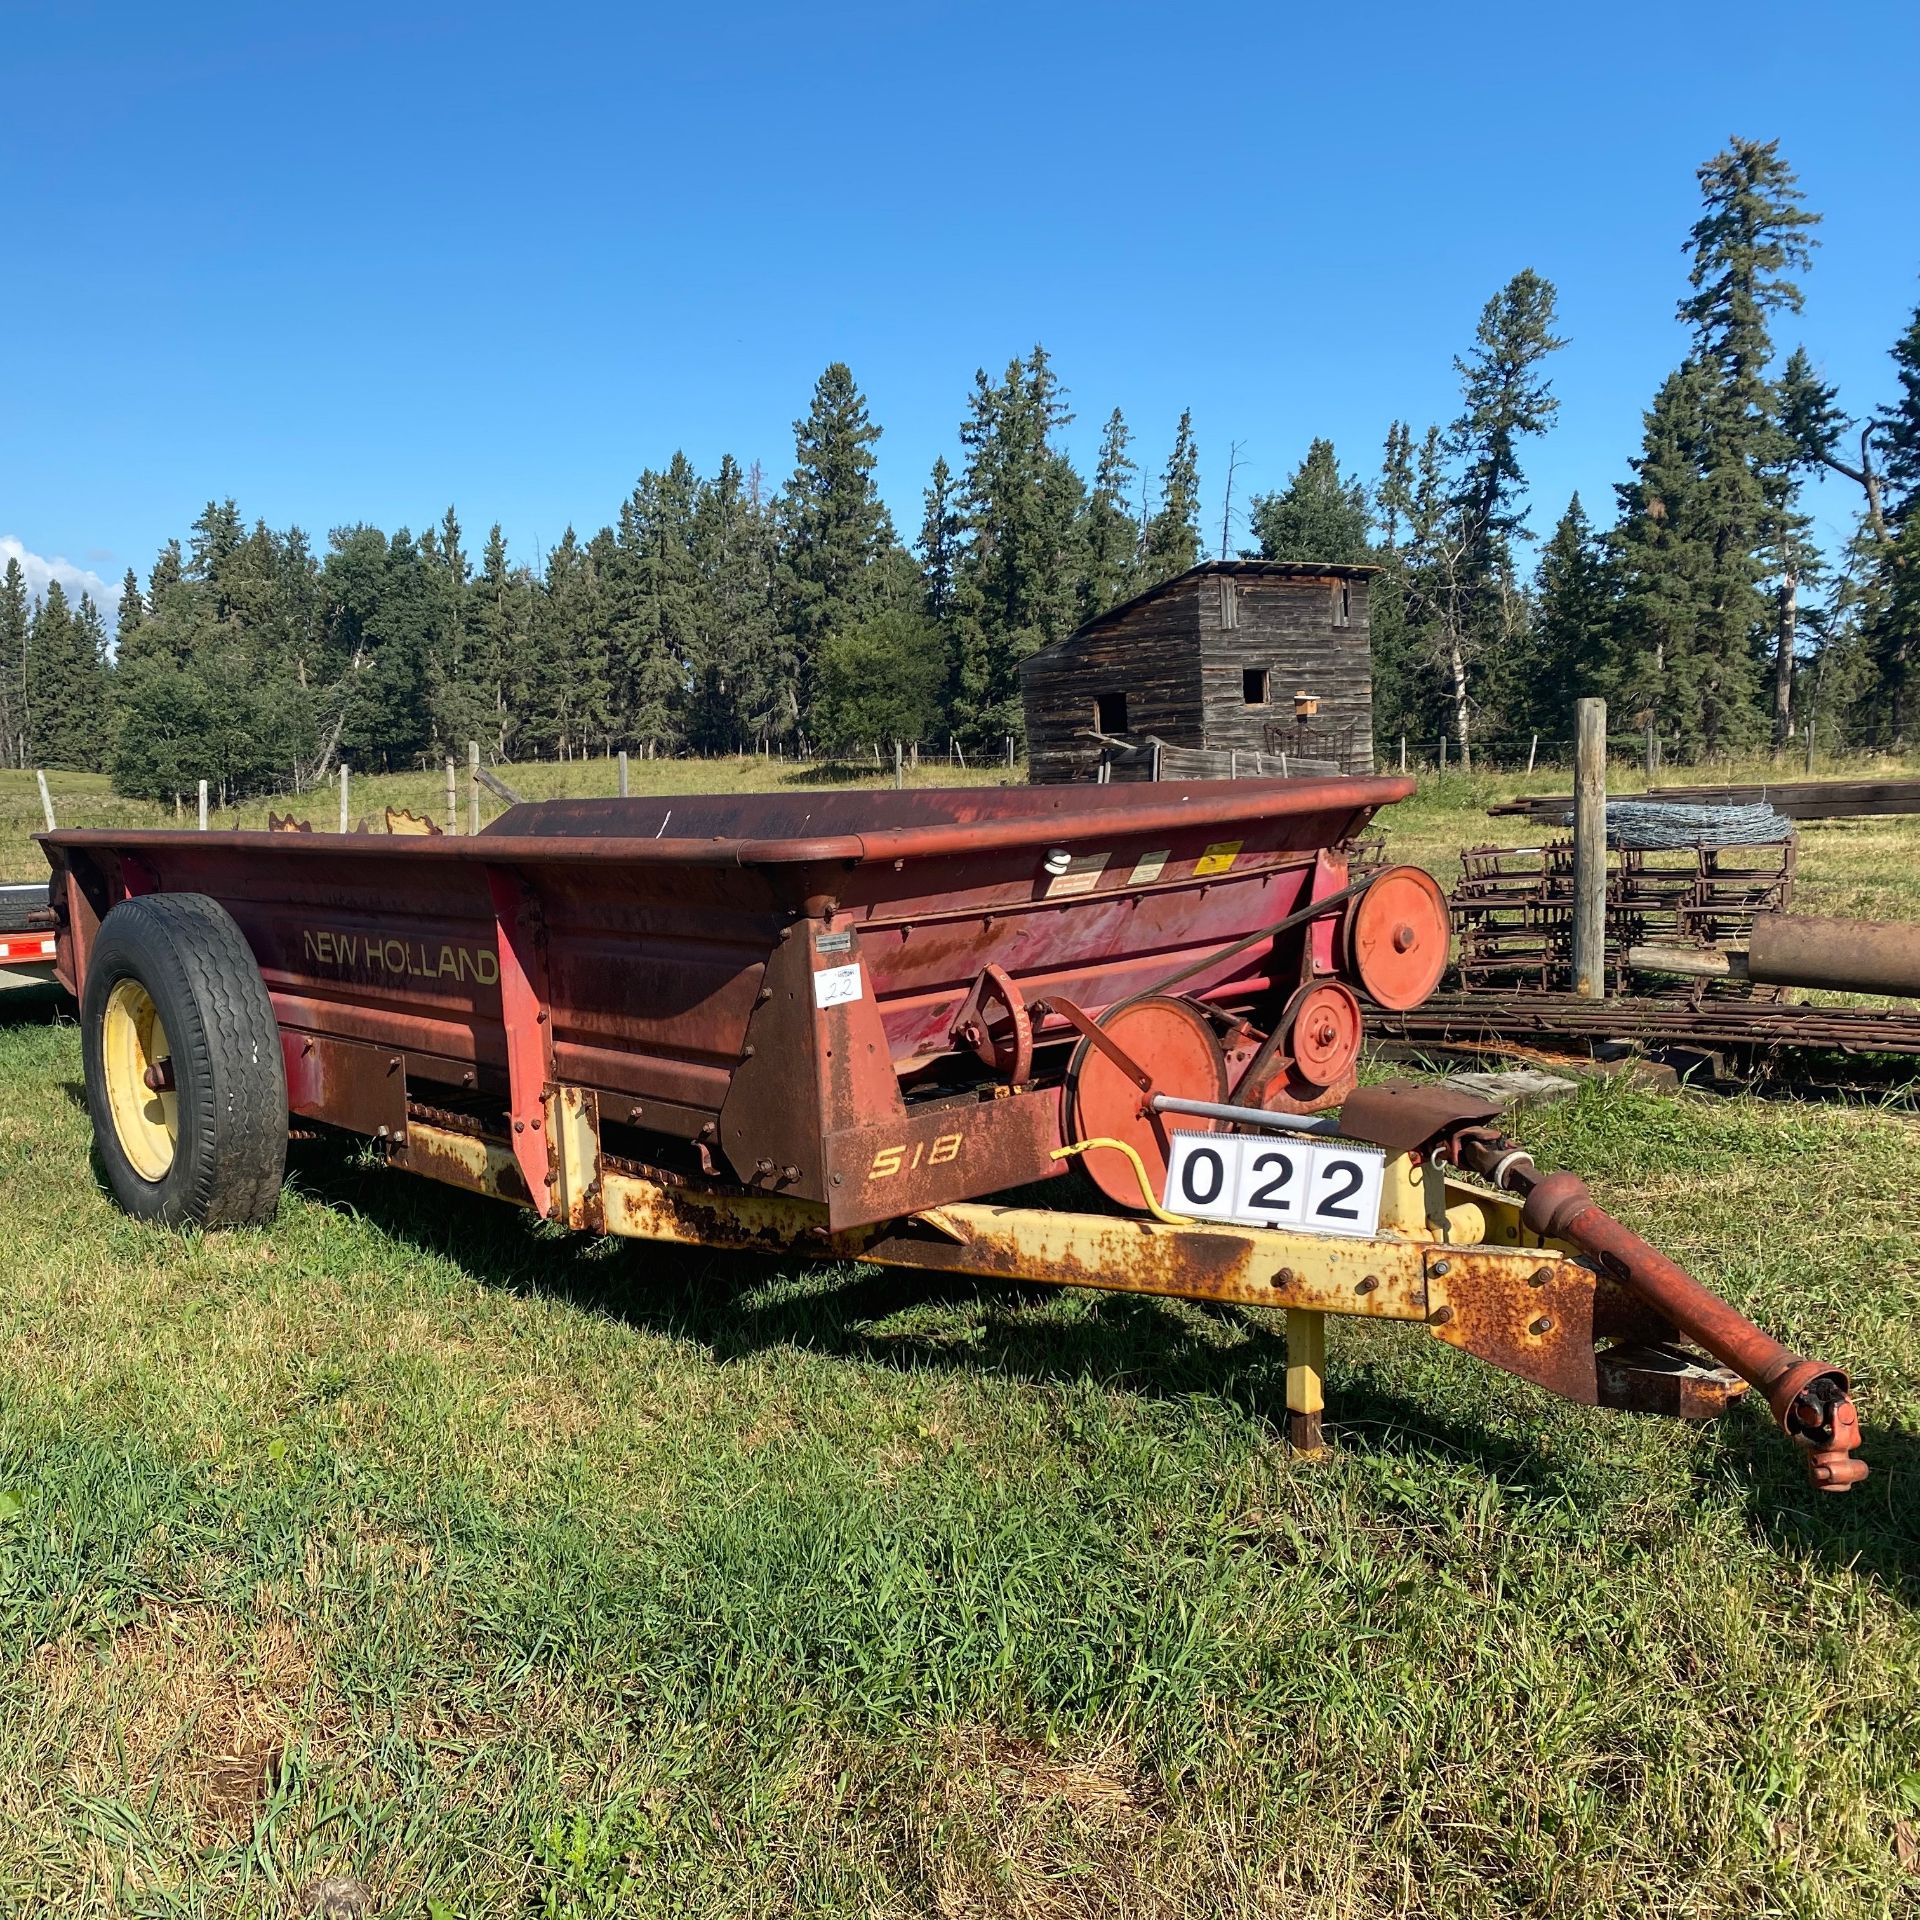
(1396, 938)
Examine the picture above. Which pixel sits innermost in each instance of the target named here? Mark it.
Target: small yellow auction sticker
(1218, 858)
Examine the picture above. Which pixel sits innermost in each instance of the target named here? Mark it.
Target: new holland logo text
(401, 959)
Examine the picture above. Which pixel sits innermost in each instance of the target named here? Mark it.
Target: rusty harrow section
(1566, 1021)
(1512, 909)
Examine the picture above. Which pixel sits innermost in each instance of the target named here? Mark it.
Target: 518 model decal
(891, 1160)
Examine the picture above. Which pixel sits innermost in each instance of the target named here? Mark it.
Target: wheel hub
(137, 1061)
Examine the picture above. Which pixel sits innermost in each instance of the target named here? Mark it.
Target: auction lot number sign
(1310, 1186)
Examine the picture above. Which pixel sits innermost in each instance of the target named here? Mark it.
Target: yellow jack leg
(1306, 1370)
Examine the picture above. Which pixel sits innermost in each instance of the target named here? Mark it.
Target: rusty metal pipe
(1809, 1398)
(1849, 956)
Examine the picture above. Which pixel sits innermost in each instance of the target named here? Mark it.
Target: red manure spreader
(838, 1025)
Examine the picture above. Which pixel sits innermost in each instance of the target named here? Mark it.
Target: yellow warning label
(1218, 858)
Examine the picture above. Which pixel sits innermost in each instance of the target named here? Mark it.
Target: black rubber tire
(19, 902)
(231, 1154)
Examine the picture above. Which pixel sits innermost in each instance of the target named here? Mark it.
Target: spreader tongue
(1810, 1400)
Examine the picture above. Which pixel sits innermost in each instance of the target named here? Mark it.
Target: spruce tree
(1112, 536)
(836, 528)
(1319, 515)
(568, 692)
(939, 542)
(1017, 583)
(1815, 425)
(1667, 566)
(730, 683)
(65, 682)
(15, 626)
(168, 573)
(1899, 425)
(655, 619)
(1172, 542)
(133, 609)
(1752, 236)
(1505, 399)
(1406, 694)
(1568, 653)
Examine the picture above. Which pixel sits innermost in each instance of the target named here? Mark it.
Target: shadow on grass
(737, 1305)
(35, 1006)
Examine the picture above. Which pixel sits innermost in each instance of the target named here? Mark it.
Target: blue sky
(356, 262)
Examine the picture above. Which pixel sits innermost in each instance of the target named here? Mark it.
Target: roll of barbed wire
(1651, 826)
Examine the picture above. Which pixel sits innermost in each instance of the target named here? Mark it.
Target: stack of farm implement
(1512, 910)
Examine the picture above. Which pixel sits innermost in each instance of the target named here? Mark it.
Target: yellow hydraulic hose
(1152, 1205)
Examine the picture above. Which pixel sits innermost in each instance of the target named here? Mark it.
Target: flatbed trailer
(26, 948)
(841, 1025)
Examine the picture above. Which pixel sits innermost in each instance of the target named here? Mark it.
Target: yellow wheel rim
(137, 1064)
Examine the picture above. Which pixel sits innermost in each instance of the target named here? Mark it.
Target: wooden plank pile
(1797, 799)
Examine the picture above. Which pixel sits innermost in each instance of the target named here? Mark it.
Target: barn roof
(1233, 570)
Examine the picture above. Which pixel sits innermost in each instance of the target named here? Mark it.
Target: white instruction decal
(1148, 868)
(835, 986)
(1081, 875)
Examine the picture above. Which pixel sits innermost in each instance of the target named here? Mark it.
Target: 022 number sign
(1317, 1186)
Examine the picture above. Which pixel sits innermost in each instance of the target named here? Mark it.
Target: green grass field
(519, 1574)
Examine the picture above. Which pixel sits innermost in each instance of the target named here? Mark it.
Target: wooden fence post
(1653, 751)
(623, 773)
(1532, 751)
(1403, 753)
(46, 799)
(1443, 755)
(473, 786)
(1590, 849)
(203, 806)
(343, 796)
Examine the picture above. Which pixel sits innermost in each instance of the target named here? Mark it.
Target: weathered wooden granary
(1236, 656)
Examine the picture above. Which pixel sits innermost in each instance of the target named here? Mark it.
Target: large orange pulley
(1159, 1044)
(1396, 937)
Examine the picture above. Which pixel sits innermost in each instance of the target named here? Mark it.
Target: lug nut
(1543, 1325)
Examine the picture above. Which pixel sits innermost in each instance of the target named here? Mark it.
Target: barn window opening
(1110, 713)
(1343, 604)
(1255, 686)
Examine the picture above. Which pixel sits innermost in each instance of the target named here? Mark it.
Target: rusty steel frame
(1454, 1255)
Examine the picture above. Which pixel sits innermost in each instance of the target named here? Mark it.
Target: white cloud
(74, 581)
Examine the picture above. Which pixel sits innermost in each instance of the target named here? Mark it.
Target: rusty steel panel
(346, 1084)
(1529, 1313)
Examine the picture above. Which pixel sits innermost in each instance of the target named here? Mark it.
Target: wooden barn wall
(1285, 626)
(1151, 655)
